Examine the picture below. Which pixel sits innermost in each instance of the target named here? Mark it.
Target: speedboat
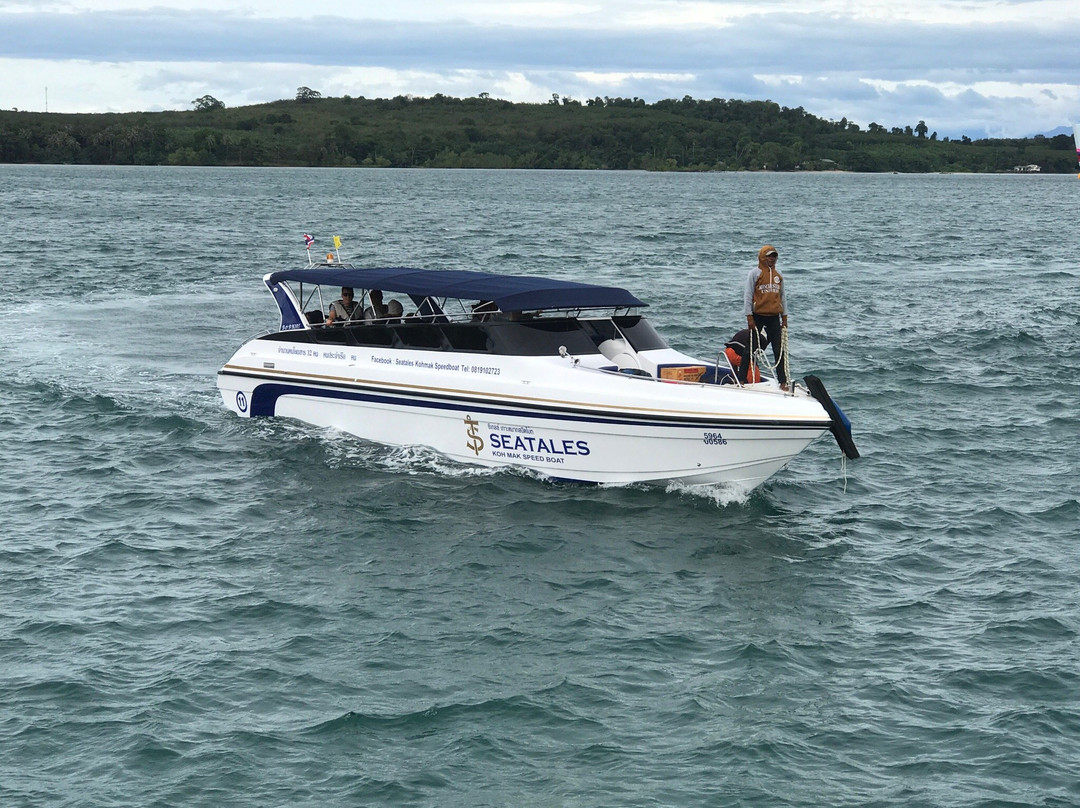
(566, 379)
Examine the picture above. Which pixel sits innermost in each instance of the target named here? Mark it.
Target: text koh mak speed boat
(568, 379)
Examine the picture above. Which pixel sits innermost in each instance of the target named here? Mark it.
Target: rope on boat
(784, 355)
(763, 361)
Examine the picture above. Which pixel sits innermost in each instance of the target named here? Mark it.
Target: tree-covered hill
(444, 132)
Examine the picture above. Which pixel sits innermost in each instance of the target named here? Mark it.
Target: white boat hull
(543, 413)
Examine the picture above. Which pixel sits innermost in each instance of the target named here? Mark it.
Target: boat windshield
(542, 336)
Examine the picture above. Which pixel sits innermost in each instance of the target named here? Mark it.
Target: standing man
(765, 305)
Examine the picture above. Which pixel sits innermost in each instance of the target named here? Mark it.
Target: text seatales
(535, 445)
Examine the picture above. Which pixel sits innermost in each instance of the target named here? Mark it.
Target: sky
(997, 68)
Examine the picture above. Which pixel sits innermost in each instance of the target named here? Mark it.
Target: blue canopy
(510, 293)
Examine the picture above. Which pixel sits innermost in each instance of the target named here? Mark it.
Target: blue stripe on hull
(265, 396)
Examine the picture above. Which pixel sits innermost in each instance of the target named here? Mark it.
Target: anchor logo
(475, 442)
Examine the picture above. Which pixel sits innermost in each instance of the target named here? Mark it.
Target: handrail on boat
(734, 372)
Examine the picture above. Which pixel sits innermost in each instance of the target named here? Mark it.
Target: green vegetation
(482, 132)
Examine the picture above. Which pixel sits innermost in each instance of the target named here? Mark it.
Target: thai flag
(308, 241)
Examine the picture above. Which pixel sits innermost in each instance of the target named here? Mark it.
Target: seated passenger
(394, 311)
(344, 308)
(376, 312)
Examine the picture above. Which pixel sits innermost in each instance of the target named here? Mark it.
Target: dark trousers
(771, 324)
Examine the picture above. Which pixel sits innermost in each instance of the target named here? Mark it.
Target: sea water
(201, 610)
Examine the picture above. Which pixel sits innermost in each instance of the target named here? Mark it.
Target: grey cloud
(832, 54)
(795, 44)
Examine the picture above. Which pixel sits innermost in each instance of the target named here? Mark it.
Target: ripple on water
(253, 612)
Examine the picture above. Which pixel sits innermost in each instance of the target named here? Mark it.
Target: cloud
(867, 62)
(793, 43)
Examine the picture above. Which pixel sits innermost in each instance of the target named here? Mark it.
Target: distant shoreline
(790, 172)
(614, 134)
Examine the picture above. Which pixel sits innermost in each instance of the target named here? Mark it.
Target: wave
(550, 706)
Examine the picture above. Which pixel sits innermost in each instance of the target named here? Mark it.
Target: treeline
(482, 132)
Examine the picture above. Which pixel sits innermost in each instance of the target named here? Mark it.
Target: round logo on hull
(241, 401)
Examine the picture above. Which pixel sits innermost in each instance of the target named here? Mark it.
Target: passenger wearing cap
(765, 306)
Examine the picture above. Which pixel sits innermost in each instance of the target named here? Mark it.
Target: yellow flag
(337, 242)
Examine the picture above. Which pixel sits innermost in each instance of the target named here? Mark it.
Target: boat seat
(625, 357)
(619, 352)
